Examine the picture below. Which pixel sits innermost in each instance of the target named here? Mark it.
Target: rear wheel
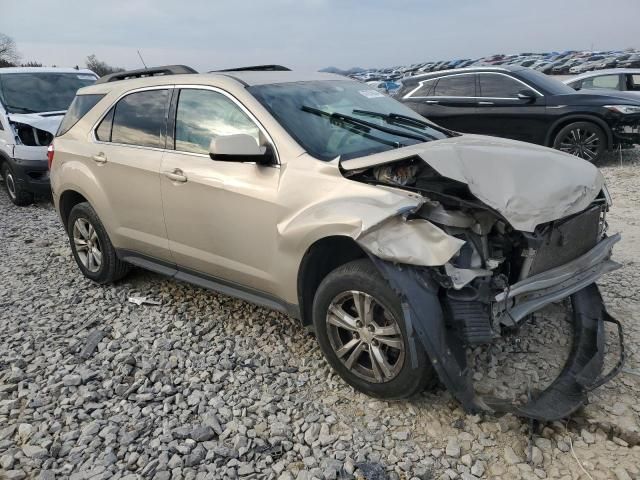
(17, 194)
(362, 333)
(92, 249)
(582, 139)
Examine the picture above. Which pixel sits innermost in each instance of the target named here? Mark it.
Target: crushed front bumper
(533, 293)
(427, 323)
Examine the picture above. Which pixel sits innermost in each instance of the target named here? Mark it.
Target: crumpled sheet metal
(412, 242)
(527, 184)
(48, 124)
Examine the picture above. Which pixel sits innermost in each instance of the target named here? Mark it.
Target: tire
(86, 236)
(582, 139)
(17, 194)
(401, 379)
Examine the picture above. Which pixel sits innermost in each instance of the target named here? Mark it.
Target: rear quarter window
(78, 109)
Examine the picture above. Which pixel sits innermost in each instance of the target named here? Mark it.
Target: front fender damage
(402, 250)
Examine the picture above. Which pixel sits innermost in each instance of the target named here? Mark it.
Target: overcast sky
(309, 34)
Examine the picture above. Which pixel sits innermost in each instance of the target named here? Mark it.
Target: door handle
(175, 175)
(485, 103)
(431, 102)
(99, 158)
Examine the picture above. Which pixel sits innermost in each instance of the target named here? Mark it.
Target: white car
(620, 79)
(33, 101)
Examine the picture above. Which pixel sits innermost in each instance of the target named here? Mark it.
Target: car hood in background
(527, 184)
(595, 98)
(49, 122)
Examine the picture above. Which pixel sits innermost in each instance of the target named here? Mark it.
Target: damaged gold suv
(400, 242)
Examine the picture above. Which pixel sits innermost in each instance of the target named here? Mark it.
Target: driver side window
(203, 115)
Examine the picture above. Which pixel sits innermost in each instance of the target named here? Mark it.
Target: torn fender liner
(581, 373)
(419, 293)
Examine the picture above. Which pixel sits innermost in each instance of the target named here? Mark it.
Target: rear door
(448, 101)
(501, 113)
(125, 161)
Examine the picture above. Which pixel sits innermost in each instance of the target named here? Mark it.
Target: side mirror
(240, 148)
(527, 95)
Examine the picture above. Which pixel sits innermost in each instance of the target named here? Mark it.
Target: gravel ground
(206, 386)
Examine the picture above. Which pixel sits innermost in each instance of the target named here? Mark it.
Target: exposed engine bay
(496, 279)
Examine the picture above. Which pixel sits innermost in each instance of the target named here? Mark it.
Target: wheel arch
(68, 200)
(564, 121)
(321, 258)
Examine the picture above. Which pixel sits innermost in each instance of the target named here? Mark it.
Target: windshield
(343, 118)
(545, 82)
(37, 92)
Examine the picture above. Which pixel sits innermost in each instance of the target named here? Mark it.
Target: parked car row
(552, 63)
(398, 241)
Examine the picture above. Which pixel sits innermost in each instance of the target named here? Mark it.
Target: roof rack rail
(146, 72)
(255, 68)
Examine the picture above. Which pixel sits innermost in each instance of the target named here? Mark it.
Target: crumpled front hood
(48, 122)
(528, 184)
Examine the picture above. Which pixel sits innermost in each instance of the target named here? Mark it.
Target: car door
(448, 101)
(125, 160)
(221, 216)
(503, 114)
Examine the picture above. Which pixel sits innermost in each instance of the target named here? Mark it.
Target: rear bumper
(32, 175)
(535, 292)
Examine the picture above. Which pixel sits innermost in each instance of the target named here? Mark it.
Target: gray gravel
(206, 386)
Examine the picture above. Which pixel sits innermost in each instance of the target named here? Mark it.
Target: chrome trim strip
(420, 84)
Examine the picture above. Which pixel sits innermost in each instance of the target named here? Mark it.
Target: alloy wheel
(365, 336)
(11, 185)
(85, 239)
(581, 142)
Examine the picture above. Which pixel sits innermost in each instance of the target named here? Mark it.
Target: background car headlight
(623, 108)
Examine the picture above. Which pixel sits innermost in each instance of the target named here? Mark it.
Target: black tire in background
(582, 139)
(360, 277)
(17, 194)
(87, 236)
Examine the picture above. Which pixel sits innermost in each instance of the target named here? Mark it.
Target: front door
(221, 216)
(502, 114)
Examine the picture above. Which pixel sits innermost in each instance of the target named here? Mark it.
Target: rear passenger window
(103, 132)
(139, 119)
(204, 115)
(499, 86)
(456, 86)
(79, 107)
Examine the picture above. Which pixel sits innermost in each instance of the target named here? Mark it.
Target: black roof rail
(146, 72)
(255, 68)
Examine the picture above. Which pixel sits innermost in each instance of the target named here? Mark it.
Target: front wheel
(362, 332)
(582, 139)
(17, 194)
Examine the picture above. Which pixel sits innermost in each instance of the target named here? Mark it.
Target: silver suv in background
(33, 101)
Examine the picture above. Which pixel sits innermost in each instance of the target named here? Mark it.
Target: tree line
(10, 57)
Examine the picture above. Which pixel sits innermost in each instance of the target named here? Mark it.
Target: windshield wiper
(399, 119)
(336, 116)
(356, 128)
